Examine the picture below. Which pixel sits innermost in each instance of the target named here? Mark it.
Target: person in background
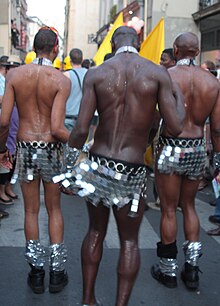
(168, 61)
(76, 76)
(3, 172)
(167, 58)
(88, 63)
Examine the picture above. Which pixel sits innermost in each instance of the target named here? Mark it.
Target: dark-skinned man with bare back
(181, 161)
(124, 90)
(40, 92)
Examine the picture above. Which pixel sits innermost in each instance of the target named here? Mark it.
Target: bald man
(181, 162)
(124, 90)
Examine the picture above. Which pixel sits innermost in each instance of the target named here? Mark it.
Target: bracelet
(71, 156)
(216, 160)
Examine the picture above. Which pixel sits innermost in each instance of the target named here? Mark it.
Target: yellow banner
(106, 44)
(153, 45)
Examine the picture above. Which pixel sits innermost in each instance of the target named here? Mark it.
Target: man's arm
(58, 112)
(79, 134)
(171, 104)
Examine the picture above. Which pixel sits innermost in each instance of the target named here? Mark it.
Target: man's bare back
(45, 89)
(200, 89)
(125, 91)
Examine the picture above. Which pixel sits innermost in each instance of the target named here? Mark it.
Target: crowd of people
(85, 131)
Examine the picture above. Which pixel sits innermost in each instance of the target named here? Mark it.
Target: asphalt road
(13, 270)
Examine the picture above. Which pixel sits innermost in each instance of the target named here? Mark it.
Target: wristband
(71, 156)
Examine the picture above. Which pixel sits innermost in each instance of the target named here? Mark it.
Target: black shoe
(166, 280)
(4, 214)
(58, 280)
(214, 219)
(190, 276)
(36, 279)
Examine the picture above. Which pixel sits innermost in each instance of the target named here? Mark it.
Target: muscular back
(36, 90)
(125, 91)
(200, 89)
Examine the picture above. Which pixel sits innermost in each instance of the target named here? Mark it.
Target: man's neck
(76, 66)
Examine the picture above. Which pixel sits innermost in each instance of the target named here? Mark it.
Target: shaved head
(187, 44)
(125, 36)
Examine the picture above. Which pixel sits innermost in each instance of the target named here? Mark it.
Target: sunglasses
(53, 30)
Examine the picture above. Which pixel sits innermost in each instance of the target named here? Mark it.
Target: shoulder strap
(80, 85)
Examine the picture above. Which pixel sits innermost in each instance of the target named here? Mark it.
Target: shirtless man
(124, 90)
(181, 161)
(41, 93)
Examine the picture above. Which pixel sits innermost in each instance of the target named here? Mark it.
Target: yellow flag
(106, 45)
(153, 45)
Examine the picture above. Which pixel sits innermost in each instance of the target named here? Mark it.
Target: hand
(6, 160)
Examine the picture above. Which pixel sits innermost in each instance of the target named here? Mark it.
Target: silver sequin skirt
(38, 159)
(181, 156)
(112, 182)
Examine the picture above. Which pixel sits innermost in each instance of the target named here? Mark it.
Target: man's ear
(197, 52)
(56, 50)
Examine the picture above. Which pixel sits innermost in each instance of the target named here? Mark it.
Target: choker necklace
(42, 61)
(129, 49)
(187, 62)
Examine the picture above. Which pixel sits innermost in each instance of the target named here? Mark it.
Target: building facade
(82, 20)
(13, 27)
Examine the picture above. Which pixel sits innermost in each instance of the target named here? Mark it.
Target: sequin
(188, 160)
(108, 181)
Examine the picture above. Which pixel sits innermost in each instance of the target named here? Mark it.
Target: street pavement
(147, 291)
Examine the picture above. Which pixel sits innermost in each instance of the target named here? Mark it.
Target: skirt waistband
(117, 165)
(181, 142)
(39, 144)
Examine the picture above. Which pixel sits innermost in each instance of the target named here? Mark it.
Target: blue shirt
(74, 100)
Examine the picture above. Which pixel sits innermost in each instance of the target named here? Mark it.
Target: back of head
(169, 51)
(76, 56)
(87, 63)
(186, 44)
(210, 66)
(125, 36)
(45, 40)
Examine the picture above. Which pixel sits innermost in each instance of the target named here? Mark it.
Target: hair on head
(76, 56)
(45, 41)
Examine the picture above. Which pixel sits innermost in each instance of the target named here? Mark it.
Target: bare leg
(31, 197)
(129, 260)
(168, 187)
(187, 202)
(92, 248)
(55, 218)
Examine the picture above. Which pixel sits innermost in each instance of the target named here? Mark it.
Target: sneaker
(36, 279)
(190, 276)
(166, 280)
(58, 280)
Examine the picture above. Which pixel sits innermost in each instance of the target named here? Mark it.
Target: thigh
(188, 192)
(128, 227)
(52, 195)
(98, 217)
(31, 194)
